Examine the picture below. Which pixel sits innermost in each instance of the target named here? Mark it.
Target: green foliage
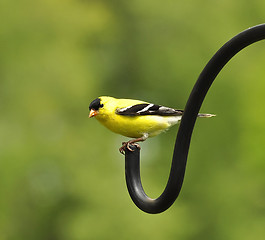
(61, 176)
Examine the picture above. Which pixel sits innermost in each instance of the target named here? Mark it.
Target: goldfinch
(134, 118)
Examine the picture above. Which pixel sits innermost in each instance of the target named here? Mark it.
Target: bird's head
(101, 107)
(95, 107)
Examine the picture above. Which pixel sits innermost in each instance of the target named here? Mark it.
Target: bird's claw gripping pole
(199, 91)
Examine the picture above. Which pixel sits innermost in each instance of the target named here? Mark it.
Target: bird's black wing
(148, 109)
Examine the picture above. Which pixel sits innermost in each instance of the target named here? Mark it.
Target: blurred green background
(61, 175)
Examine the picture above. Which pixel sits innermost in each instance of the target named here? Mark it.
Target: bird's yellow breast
(134, 126)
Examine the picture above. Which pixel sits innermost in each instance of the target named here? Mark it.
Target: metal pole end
(133, 148)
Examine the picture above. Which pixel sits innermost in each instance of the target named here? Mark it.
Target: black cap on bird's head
(94, 106)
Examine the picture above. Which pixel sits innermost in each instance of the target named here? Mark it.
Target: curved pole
(200, 89)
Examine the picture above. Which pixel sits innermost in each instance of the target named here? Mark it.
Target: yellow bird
(134, 118)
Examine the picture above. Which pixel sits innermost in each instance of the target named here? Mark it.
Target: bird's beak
(92, 113)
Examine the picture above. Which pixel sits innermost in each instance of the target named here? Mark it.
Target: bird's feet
(127, 145)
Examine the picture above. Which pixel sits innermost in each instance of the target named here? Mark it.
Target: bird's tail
(206, 115)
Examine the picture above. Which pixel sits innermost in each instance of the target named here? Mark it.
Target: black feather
(143, 109)
(95, 104)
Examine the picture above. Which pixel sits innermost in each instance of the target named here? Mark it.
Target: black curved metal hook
(199, 91)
